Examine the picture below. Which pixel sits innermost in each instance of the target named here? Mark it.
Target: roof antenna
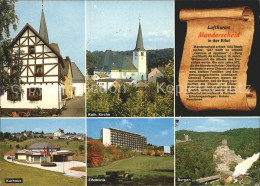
(42, 4)
(139, 18)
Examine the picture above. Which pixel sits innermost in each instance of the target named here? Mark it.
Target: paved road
(75, 107)
(58, 168)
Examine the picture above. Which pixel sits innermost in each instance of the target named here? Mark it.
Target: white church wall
(115, 74)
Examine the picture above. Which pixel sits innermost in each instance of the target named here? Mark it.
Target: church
(122, 67)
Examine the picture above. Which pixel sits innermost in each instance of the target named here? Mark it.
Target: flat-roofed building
(165, 149)
(119, 137)
(37, 151)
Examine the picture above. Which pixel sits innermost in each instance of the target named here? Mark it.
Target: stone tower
(224, 142)
(139, 56)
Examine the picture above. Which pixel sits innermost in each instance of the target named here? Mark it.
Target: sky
(114, 25)
(216, 124)
(45, 125)
(65, 23)
(159, 131)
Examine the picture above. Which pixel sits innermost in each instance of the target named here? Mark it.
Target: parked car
(9, 157)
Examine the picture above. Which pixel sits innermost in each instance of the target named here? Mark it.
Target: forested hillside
(194, 159)
(155, 58)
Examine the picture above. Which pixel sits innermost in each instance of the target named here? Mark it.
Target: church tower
(43, 27)
(139, 56)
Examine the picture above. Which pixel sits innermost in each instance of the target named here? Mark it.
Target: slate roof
(41, 145)
(78, 77)
(139, 42)
(43, 28)
(112, 61)
(56, 47)
(101, 75)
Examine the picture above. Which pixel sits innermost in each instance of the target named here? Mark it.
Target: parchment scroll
(213, 71)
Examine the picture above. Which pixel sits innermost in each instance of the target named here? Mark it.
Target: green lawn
(146, 169)
(32, 176)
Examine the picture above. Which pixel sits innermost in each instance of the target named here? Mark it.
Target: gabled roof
(78, 77)
(101, 75)
(41, 38)
(42, 145)
(114, 79)
(55, 46)
(43, 28)
(139, 41)
(67, 63)
(112, 61)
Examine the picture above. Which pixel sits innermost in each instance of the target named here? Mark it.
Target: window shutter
(8, 95)
(40, 89)
(28, 93)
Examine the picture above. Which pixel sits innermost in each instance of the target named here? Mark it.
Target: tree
(17, 146)
(145, 152)
(8, 18)
(92, 60)
(152, 152)
(232, 166)
(254, 172)
(81, 148)
(9, 81)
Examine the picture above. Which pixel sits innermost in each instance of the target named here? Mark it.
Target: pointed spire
(139, 41)
(43, 27)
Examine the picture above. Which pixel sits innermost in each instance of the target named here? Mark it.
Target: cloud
(165, 132)
(164, 33)
(215, 120)
(126, 123)
(214, 125)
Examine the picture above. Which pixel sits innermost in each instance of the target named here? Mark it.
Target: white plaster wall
(115, 74)
(80, 89)
(106, 136)
(51, 98)
(21, 157)
(167, 149)
(140, 63)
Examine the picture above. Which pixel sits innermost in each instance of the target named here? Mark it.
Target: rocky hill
(223, 157)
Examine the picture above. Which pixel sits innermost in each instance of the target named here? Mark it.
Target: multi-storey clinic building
(132, 140)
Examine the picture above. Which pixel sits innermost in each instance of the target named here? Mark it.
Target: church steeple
(139, 41)
(43, 27)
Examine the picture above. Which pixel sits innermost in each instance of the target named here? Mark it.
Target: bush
(145, 152)
(232, 166)
(48, 164)
(98, 154)
(159, 153)
(151, 152)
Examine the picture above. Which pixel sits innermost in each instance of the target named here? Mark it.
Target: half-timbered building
(42, 71)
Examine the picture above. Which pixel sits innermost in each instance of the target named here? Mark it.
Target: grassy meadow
(32, 176)
(146, 169)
